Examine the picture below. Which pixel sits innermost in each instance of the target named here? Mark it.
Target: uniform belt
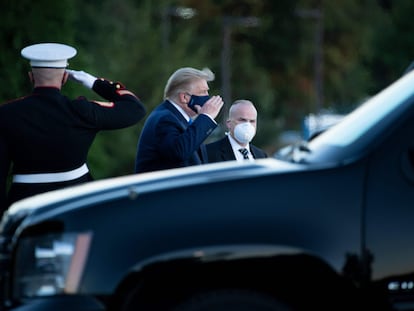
(51, 177)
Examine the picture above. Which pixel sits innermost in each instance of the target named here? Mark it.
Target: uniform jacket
(168, 141)
(45, 132)
(221, 150)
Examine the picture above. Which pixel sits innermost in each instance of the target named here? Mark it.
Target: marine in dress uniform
(45, 136)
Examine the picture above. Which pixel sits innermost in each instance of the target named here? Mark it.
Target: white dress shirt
(236, 146)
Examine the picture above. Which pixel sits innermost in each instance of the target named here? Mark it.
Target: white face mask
(244, 132)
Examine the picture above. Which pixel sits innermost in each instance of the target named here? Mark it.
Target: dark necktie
(244, 152)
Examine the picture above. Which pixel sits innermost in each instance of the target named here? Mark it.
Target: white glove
(82, 77)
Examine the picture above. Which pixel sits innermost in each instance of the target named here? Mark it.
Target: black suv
(326, 226)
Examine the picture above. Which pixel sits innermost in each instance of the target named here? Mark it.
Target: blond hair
(181, 80)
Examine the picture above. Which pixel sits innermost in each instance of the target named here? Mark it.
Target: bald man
(241, 125)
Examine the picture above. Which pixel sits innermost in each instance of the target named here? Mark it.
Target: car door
(389, 212)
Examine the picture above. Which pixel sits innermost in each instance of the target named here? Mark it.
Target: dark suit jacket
(221, 150)
(167, 141)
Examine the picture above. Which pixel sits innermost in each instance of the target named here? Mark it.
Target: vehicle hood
(146, 182)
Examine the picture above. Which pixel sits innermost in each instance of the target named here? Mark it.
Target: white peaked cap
(52, 55)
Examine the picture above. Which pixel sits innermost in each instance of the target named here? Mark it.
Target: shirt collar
(236, 146)
(181, 110)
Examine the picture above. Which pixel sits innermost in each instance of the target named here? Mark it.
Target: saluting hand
(81, 77)
(212, 107)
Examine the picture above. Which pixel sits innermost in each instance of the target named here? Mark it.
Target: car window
(368, 114)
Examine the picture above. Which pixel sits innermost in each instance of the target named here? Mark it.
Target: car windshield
(354, 125)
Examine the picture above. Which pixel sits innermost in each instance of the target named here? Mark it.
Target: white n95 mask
(244, 132)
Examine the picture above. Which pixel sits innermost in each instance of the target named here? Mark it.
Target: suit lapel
(226, 150)
(180, 118)
(252, 152)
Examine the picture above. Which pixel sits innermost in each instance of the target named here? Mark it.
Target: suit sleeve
(122, 108)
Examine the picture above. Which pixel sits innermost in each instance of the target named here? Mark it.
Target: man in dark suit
(174, 132)
(241, 125)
